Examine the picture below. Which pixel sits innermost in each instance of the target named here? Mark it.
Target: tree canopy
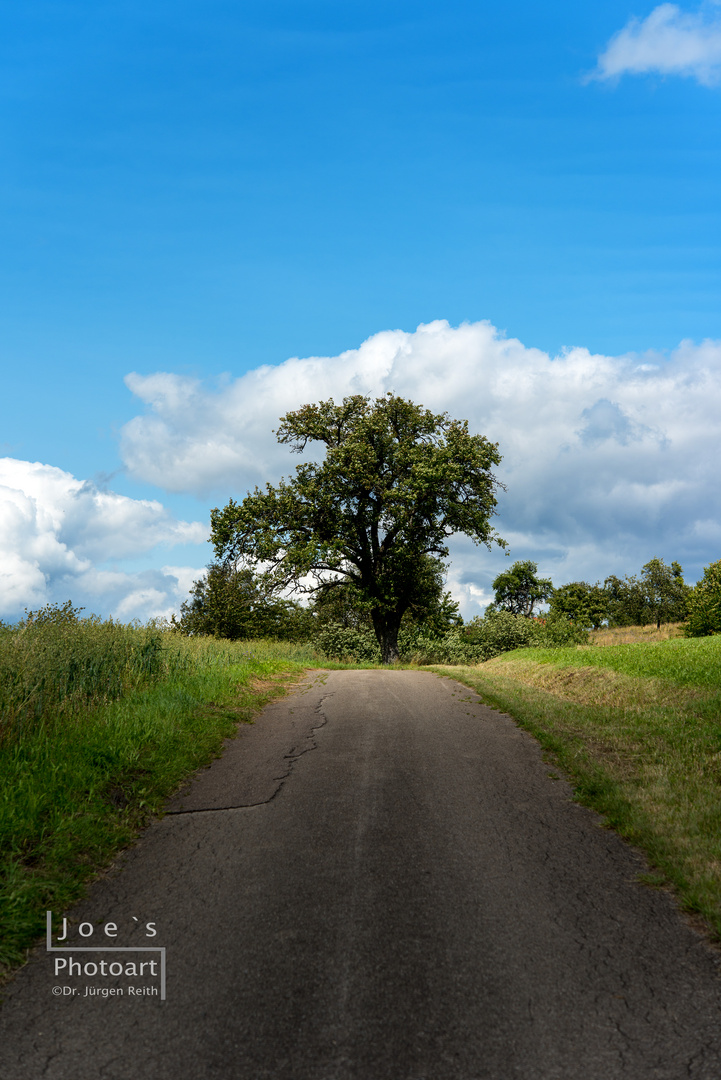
(665, 590)
(235, 603)
(704, 616)
(518, 590)
(658, 595)
(396, 482)
(583, 604)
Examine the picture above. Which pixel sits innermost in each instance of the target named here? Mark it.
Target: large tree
(396, 482)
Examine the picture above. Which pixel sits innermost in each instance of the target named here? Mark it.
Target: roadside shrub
(704, 607)
(349, 643)
(555, 631)
(417, 646)
(498, 632)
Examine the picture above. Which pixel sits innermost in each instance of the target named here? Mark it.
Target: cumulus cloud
(668, 41)
(607, 460)
(56, 532)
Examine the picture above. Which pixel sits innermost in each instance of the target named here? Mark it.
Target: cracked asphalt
(379, 880)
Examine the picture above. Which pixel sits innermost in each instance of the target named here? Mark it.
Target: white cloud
(608, 460)
(56, 532)
(668, 41)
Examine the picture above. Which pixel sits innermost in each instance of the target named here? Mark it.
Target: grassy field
(637, 728)
(99, 725)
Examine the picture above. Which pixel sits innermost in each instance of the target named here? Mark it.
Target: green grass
(684, 661)
(637, 728)
(77, 784)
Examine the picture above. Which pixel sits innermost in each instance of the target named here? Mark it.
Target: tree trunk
(387, 633)
(389, 646)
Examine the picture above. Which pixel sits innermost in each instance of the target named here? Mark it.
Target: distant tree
(659, 595)
(438, 616)
(626, 601)
(665, 591)
(704, 604)
(235, 603)
(518, 590)
(585, 605)
(396, 482)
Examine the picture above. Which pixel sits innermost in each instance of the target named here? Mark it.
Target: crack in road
(291, 757)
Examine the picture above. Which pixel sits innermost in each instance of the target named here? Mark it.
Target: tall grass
(101, 723)
(54, 665)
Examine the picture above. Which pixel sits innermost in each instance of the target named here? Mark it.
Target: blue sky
(199, 189)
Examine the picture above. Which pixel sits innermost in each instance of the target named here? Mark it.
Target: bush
(498, 632)
(482, 639)
(349, 643)
(419, 646)
(416, 645)
(555, 631)
(704, 608)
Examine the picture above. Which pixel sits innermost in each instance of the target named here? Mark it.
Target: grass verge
(75, 791)
(637, 728)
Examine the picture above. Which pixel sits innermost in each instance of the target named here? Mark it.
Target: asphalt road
(379, 880)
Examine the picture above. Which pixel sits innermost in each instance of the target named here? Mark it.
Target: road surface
(379, 880)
